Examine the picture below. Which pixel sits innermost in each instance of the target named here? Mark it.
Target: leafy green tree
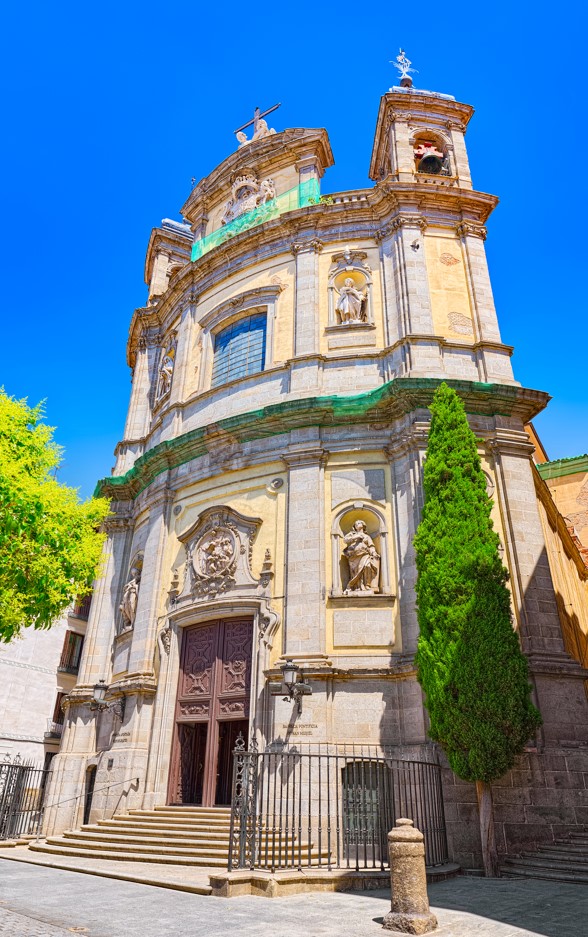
(49, 544)
(470, 665)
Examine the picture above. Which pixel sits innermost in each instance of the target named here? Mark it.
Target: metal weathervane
(403, 64)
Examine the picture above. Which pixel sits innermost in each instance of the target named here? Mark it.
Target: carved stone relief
(218, 552)
(247, 194)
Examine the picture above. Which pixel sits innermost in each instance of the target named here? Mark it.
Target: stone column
(410, 912)
(304, 628)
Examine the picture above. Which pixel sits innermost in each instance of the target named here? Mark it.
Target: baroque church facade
(267, 488)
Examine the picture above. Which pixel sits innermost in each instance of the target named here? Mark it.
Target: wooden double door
(212, 708)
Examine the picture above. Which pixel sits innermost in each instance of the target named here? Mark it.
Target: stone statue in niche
(351, 303)
(166, 371)
(130, 597)
(363, 560)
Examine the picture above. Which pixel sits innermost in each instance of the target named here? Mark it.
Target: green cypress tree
(470, 665)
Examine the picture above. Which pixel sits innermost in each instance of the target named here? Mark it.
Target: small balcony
(81, 608)
(54, 729)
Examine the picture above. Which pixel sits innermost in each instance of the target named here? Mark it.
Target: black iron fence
(330, 808)
(22, 795)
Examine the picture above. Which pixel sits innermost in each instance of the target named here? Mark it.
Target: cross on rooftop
(257, 115)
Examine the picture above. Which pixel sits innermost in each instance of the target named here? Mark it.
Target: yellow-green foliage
(470, 665)
(49, 544)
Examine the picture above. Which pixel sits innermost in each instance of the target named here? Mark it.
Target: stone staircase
(188, 836)
(565, 860)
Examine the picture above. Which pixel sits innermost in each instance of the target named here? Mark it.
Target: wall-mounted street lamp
(99, 703)
(293, 683)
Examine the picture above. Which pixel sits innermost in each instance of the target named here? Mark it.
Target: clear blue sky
(111, 108)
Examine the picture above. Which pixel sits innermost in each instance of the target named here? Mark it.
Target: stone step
(564, 862)
(533, 861)
(163, 841)
(552, 875)
(120, 856)
(169, 824)
(125, 823)
(215, 850)
(212, 812)
(566, 849)
(121, 829)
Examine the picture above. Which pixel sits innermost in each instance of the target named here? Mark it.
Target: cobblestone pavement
(36, 901)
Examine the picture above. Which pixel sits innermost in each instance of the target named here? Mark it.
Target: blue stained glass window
(239, 350)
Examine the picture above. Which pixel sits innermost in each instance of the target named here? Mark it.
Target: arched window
(239, 349)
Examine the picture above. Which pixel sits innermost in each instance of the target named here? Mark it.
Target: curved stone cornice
(385, 403)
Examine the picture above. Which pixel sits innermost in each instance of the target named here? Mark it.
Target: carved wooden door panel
(213, 690)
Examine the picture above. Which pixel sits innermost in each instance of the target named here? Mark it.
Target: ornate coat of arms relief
(247, 194)
(218, 555)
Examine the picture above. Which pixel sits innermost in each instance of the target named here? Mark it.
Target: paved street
(41, 902)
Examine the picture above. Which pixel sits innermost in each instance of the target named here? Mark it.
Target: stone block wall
(542, 799)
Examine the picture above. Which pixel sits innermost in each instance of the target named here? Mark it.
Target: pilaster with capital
(139, 415)
(496, 361)
(152, 579)
(306, 316)
(104, 613)
(408, 301)
(183, 359)
(304, 627)
(405, 452)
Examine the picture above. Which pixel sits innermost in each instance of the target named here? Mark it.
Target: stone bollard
(410, 903)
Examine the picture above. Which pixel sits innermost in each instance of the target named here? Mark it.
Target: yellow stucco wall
(450, 302)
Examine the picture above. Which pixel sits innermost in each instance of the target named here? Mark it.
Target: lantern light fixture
(99, 703)
(294, 684)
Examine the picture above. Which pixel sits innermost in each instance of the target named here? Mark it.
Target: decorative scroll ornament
(247, 194)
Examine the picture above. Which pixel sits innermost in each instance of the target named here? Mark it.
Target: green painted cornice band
(559, 467)
(391, 401)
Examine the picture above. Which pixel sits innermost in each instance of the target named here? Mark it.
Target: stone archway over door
(212, 707)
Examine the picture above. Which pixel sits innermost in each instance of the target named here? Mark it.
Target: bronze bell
(431, 163)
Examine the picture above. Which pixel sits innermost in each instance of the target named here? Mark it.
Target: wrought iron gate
(330, 808)
(22, 795)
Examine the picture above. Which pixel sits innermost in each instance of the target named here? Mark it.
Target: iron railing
(330, 807)
(54, 730)
(81, 607)
(22, 795)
